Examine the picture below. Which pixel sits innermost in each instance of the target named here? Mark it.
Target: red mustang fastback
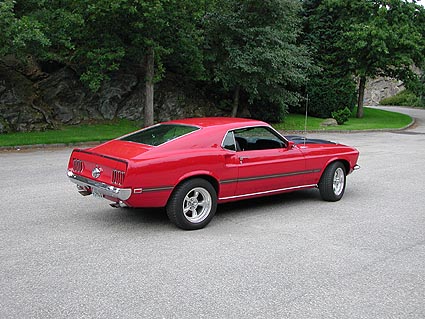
(191, 165)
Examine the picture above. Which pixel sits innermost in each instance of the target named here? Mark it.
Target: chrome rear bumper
(84, 184)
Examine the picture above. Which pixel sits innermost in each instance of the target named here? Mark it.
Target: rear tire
(332, 182)
(192, 205)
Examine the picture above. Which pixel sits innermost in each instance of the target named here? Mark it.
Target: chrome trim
(118, 204)
(102, 188)
(269, 192)
(83, 190)
(280, 135)
(255, 178)
(356, 167)
(234, 142)
(265, 125)
(118, 177)
(77, 165)
(96, 172)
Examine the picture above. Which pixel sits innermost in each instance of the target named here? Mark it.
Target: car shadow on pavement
(157, 217)
(129, 217)
(268, 202)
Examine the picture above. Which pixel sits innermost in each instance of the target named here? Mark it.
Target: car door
(267, 162)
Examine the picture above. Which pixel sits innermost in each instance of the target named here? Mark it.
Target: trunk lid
(106, 163)
(97, 167)
(121, 149)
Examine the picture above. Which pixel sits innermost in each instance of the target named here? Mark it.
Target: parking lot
(288, 256)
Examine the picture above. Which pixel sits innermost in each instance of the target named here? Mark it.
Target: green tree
(379, 38)
(21, 33)
(331, 87)
(254, 51)
(370, 38)
(95, 37)
(417, 84)
(141, 32)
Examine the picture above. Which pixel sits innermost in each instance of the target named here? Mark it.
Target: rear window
(159, 134)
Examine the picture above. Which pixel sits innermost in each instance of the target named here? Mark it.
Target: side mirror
(291, 145)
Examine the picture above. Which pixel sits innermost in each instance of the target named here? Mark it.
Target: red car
(191, 165)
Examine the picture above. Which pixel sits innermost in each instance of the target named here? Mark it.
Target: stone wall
(40, 100)
(380, 88)
(383, 87)
(33, 100)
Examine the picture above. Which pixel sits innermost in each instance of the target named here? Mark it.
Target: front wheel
(192, 204)
(332, 182)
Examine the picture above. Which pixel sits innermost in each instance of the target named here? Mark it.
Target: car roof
(228, 122)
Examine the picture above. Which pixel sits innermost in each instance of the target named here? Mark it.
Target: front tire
(192, 205)
(332, 182)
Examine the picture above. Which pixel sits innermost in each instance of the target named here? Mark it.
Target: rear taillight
(118, 177)
(77, 165)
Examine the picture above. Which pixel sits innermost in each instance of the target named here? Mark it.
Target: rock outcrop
(380, 88)
(33, 100)
(40, 100)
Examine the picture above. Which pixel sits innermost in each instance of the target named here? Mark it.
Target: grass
(71, 134)
(373, 119)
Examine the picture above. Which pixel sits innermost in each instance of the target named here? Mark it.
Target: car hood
(121, 149)
(304, 140)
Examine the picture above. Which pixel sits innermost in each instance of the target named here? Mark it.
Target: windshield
(159, 134)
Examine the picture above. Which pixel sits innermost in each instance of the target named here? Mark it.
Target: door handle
(242, 158)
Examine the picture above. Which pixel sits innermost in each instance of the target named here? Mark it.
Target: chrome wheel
(338, 181)
(192, 204)
(197, 205)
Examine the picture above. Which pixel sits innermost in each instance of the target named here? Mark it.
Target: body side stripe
(157, 189)
(235, 180)
(254, 178)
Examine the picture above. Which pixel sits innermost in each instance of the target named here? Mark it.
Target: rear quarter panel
(158, 176)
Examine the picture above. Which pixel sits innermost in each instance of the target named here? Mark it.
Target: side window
(258, 138)
(229, 142)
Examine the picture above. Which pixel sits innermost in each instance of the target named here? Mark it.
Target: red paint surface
(158, 170)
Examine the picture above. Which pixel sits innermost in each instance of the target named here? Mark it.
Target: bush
(402, 98)
(341, 116)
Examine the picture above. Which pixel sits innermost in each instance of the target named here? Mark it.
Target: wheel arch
(183, 210)
(203, 175)
(344, 162)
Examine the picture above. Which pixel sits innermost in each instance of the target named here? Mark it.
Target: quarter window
(229, 142)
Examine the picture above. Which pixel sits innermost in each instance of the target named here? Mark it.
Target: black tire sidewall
(175, 204)
(326, 182)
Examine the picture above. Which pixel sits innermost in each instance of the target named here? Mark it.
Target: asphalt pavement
(288, 256)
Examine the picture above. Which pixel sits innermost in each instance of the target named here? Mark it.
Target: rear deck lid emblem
(96, 172)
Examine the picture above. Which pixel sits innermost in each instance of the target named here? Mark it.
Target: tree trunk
(362, 86)
(149, 87)
(236, 101)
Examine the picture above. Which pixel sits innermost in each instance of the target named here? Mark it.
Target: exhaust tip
(119, 204)
(83, 190)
